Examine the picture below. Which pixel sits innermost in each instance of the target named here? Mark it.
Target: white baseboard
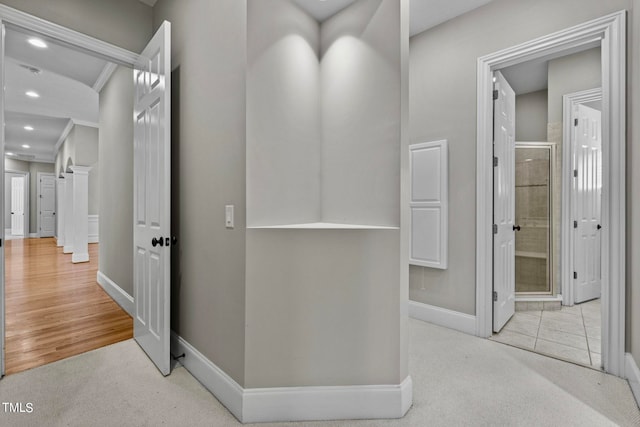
(633, 376)
(78, 258)
(123, 299)
(59, 242)
(284, 404)
(443, 317)
(67, 249)
(33, 235)
(93, 228)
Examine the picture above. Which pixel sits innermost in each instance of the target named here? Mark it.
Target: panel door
(504, 203)
(152, 198)
(17, 205)
(587, 202)
(47, 205)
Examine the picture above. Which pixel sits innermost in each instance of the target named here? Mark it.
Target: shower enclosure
(534, 217)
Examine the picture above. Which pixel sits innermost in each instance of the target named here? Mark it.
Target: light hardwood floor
(54, 308)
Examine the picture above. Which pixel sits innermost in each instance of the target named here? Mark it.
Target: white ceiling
(64, 84)
(528, 76)
(149, 2)
(322, 10)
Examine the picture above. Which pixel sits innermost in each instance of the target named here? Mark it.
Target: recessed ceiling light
(26, 146)
(29, 128)
(34, 41)
(32, 94)
(10, 154)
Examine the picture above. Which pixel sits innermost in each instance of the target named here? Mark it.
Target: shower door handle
(516, 228)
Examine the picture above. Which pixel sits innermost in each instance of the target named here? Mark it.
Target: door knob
(155, 242)
(599, 226)
(516, 227)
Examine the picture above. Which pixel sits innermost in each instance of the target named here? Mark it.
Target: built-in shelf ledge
(526, 254)
(323, 226)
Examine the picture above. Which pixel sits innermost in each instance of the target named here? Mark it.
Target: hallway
(55, 309)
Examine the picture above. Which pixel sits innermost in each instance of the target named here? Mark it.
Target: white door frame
(610, 32)
(115, 54)
(38, 194)
(569, 102)
(25, 232)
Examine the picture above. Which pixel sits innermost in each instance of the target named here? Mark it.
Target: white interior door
(504, 203)
(47, 200)
(17, 205)
(587, 151)
(152, 198)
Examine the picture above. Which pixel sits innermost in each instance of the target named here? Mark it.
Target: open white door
(152, 198)
(47, 205)
(587, 192)
(17, 206)
(504, 203)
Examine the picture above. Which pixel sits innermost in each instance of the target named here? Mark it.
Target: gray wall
(531, 116)
(283, 115)
(208, 172)
(443, 106)
(116, 179)
(125, 23)
(81, 147)
(360, 51)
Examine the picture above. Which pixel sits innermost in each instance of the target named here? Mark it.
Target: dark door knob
(516, 228)
(599, 227)
(155, 242)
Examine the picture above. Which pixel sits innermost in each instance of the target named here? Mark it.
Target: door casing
(15, 18)
(610, 33)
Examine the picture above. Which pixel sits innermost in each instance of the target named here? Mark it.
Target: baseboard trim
(121, 297)
(443, 317)
(633, 376)
(67, 249)
(33, 235)
(93, 227)
(78, 258)
(221, 385)
(284, 404)
(59, 242)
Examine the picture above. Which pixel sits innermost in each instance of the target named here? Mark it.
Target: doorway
(590, 34)
(151, 154)
(16, 212)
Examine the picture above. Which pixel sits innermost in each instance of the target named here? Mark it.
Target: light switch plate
(228, 216)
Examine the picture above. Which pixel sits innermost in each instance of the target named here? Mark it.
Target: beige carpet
(458, 380)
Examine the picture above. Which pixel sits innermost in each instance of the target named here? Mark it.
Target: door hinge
(575, 121)
(575, 173)
(495, 228)
(575, 274)
(495, 94)
(495, 296)
(575, 224)
(495, 162)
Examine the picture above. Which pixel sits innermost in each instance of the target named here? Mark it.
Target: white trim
(104, 76)
(633, 376)
(111, 52)
(443, 317)
(27, 201)
(116, 293)
(63, 136)
(569, 102)
(34, 235)
(221, 385)
(285, 404)
(610, 31)
(94, 228)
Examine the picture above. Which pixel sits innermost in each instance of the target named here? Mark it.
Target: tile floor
(571, 333)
